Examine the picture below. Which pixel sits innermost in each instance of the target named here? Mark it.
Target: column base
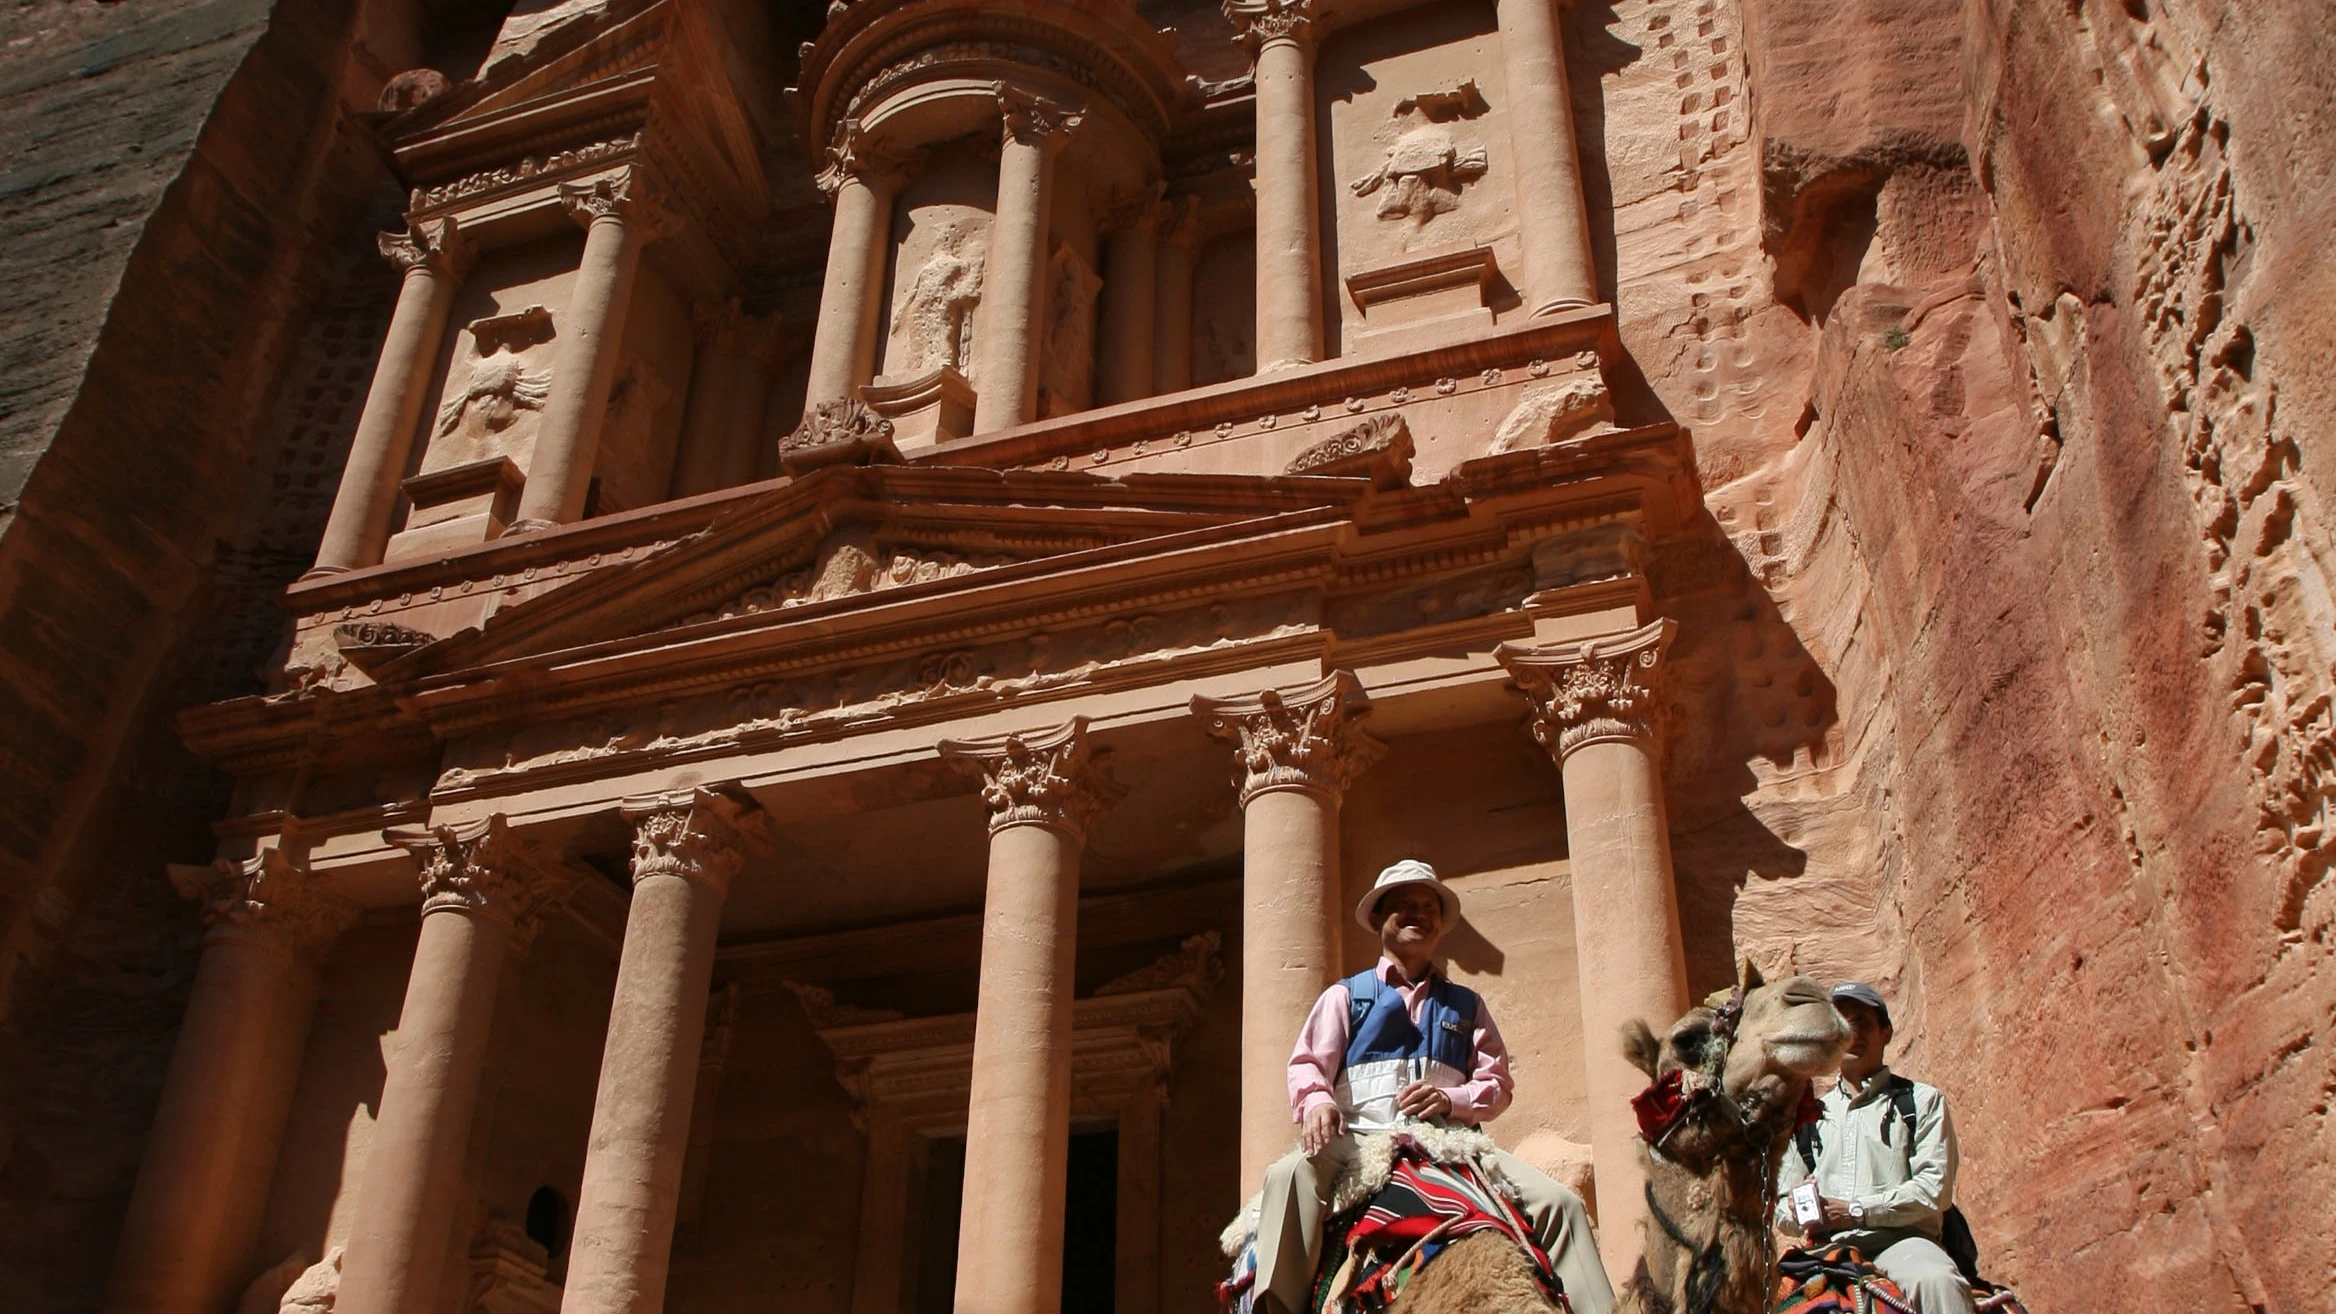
(322, 572)
(529, 527)
(1560, 306)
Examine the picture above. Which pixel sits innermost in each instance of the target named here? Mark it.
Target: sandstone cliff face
(2049, 524)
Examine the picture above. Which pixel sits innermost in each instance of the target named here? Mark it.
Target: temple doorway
(1090, 1223)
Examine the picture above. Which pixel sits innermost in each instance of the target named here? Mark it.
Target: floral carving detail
(1305, 738)
(1261, 21)
(700, 835)
(436, 244)
(273, 893)
(1379, 449)
(1033, 119)
(485, 868)
(1050, 779)
(1596, 691)
(625, 195)
(853, 153)
(1196, 966)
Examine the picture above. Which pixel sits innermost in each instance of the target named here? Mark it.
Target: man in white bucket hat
(1394, 1047)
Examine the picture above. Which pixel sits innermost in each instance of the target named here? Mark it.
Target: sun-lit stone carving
(1305, 738)
(1599, 689)
(1427, 166)
(1053, 778)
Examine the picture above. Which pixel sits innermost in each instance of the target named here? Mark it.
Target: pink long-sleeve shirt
(1321, 1051)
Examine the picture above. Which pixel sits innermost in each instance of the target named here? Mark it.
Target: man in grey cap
(1883, 1161)
(1399, 1045)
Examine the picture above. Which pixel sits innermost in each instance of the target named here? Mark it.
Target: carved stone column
(1595, 709)
(1130, 260)
(758, 348)
(1013, 302)
(862, 177)
(1553, 223)
(686, 847)
(703, 458)
(1172, 297)
(484, 895)
(883, 1256)
(619, 219)
(195, 1213)
(1298, 750)
(1041, 790)
(433, 256)
(1289, 236)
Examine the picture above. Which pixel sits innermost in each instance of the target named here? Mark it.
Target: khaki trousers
(1290, 1218)
(1917, 1264)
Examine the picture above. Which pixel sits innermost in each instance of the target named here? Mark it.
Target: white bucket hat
(1410, 871)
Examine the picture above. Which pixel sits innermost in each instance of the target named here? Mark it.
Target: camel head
(1743, 1061)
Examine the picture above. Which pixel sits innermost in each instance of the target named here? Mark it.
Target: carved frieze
(527, 171)
(1379, 449)
(1304, 738)
(847, 567)
(1426, 166)
(1052, 778)
(273, 895)
(700, 835)
(487, 869)
(1598, 690)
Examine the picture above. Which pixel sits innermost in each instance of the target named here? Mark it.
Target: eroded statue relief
(500, 385)
(1427, 165)
(934, 319)
(1067, 380)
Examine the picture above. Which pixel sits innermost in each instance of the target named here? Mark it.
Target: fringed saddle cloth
(1839, 1280)
(1408, 1196)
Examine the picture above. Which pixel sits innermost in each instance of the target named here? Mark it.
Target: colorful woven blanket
(1424, 1207)
(1834, 1281)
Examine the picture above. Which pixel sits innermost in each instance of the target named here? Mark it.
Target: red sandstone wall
(2051, 526)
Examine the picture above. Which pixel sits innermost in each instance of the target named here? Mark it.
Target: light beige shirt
(1903, 1181)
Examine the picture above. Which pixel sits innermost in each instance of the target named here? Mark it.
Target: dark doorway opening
(1090, 1224)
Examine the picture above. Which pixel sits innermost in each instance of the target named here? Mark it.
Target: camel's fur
(1713, 1173)
(1479, 1274)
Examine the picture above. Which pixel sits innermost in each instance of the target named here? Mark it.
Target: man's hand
(1323, 1122)
(1420, 1100)
(1836, 1217)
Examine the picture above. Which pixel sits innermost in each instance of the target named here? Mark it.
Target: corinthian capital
(1034, 120)
(700, 835)
(1594, 691)
(486, 869)
(1304, 738)
(273, 897)
(1049, 779)
(856, 153)
(625, 195)
(1263, 21)
(438, 245)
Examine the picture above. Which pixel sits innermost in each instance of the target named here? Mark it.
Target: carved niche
(932, 324)
(1067, 374)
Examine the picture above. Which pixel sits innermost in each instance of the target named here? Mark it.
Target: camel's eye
(1689, 1043)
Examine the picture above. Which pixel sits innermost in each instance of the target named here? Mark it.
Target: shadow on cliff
(1750, 710)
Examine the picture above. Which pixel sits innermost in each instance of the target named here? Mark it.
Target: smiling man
(1396, 1046)
(1883, 1157)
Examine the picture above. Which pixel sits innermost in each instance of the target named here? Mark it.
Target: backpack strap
(1805, 1140)
(1902, 1102)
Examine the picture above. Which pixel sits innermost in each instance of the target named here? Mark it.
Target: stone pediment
(853, 535)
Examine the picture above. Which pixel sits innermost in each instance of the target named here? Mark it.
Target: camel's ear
(1640, 1046)
(1751, 978)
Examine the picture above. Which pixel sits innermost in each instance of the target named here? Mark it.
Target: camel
(1743, 1066)
(1744, 1061)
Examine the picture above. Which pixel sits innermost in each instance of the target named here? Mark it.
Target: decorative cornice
(528, 171)
(1597, 691)
(1034, 120)
(486, 869)
(1378, 449)
(837, 432)
(1262, 22)
(438, 245)
(1304, 738)
(855, 153)
(273, 897)
(1049, 779)
(700, 835)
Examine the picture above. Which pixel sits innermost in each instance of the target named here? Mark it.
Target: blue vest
(1380, 1027)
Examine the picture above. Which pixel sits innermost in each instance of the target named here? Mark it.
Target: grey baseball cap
(1858, 992)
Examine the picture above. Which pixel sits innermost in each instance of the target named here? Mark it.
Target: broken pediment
(848, 532)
